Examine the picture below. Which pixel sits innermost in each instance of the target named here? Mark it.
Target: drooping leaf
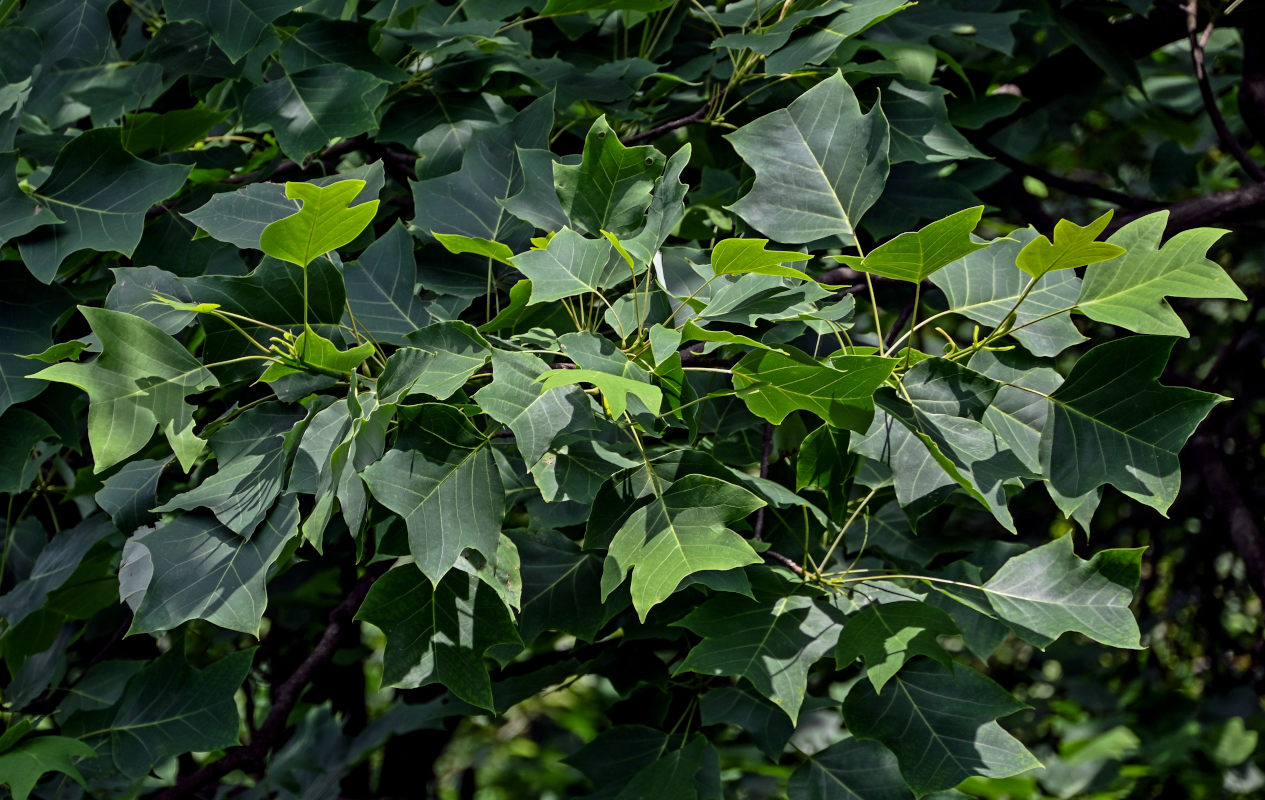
(438, 633)
(199, 569)
(763, 721)
(237, 26)
(53, 567)
(886, 635)
(456, 243)
(102, 192)
(941, 724)
(139, 382)
(448, 491)
(1048, 591)
(774, 384)
(441, 360)
(309, 108)
(850, 770)
(325, 222)
(1130, 290)
(561, 586)
(609, 190)
(771, 641)
(1073, 246)
(318, 354)
(535, 414)
(916, 255)
(22, 766)
(1092, 438)
(820, 164)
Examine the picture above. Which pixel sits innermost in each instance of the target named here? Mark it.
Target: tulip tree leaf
(570, 265)
(1073, 246)
(853, 769)
(820, 164)
(1092, 438)
(1130, 290)
(237, 26)
(751, 711)
(609, 190)
(614, 388)
(740, 256)
(1048, 591)
(914, 256)
(139, 382)
(325, 222)
(940, 723)
(886, 635)
(438, 632)
(774, 384)
(535, 414)
(309, 108)
(23, 765)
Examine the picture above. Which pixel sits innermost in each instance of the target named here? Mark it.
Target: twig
(765, 450)
(1074, 187)
(1228, 141)
(1203, 210)
(285, 697)
(671, 125)
(790, 564)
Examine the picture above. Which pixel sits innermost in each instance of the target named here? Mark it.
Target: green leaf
(438, 634)
(763, 721)
(561, 586)
(536, 415)
(448, 492)
(1048, 591)
(102, 192)
(920, 123)
(739, 256)
(381, 288)
(849, 770)
(53, 567)
(773, 385)
(609, 190)
(555, 8)
(678, 533)
(237, 26)
(671, 777)
(307, 109)
(445, 355)
(317, 353)
(820, 164)
(139, 382)
(23, 765)
(940, 723)
(1130, 290)
(614, 388)
(1073, 246)
(325, 222)
(19, 212)
(1092, 437)
(771, 641)
(915, 256)
(456, 243)
(170, 708)
(570, 265)
(983, 287)
(129, 494)
(199, 569)
(1019, 410)
(886, 635)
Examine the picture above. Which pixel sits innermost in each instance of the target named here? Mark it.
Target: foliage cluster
(387, 387)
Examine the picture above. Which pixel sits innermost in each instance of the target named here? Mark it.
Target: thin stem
(851, 518)
(721, 370)
(918, 327)
(913, 322)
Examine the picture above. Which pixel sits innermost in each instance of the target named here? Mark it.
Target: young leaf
(324, 223)
(740, 256)
(773, 385)
(940, 724)
(456, 243)
(1048, 591)
(139, 382)
(614, 388)
(1092, 438)
(609, 190)
(914, 256)
(819, 163)
(1073, 246)
(21, 767)
(1130, 290)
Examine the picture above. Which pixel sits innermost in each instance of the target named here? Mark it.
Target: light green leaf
(570, 265)
(771, 641)
(1048, 591)
(170, 708)
(308, 109)
(820, 164)
(456, 243)
(773, 385)
(318, 354)
(448, 491)
(916, 255)
(738, 256)
(984, 287)
(679, 532)
(22, 766)
(940, 724)
(1073, 246)
(614, 388)
(201, 570)
(609, 190)
(849, 770)
(886, 635)
(536, 415)
(325, 222)
(139, 381)
(1092, 437)
(102, 193)
(1130, 290)
(438, 634)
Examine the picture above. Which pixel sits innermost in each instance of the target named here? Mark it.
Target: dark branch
(790, 564)
(1245, 536)
(284, 698)
(1206, 209)
(671, 125)
(1074, 187)
(1228, 140)
(766, 450)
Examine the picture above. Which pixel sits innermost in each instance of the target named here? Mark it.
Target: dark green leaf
(609, 190)
(773, 385)
(850, 770)
(307, 109)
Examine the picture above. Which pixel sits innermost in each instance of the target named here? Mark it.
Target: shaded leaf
(23, 765)
(307, 109)
(849, 770)
(535, 414)
(886, 635)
